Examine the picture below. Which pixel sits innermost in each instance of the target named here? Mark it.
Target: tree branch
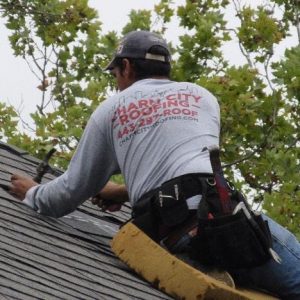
(44, 79)
(244, 52)
(32, 70)
(266, 68)
(261, 146)
(297, 21)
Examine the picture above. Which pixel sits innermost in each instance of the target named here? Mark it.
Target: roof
(66, 258)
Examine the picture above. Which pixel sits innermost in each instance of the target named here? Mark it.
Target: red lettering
(143, 103)
(171, 97)
(184, 103)
(142, 123)
(197, 99)
(131, 127)
(186, 96)
(172, 103)
(125, 131)
(132, 106)
(176, 111)
(186, 111)
(123, 119)
(121, 110)
(133, 115)
(147, 111)
(156, 107)
(149, 120)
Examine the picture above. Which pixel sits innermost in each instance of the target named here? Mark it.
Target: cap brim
(111, 65)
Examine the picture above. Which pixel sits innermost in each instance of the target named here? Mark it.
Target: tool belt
(229, 240)
(165, 209)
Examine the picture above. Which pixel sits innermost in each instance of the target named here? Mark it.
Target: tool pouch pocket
(173, 212)
(231, 242)
(170, 204)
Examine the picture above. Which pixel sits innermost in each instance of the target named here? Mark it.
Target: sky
(18, 86)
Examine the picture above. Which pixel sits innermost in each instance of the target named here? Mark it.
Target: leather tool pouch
(232, 241)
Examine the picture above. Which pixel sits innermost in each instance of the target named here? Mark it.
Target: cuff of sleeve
(29, 197)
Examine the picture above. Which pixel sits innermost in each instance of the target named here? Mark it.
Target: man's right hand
(111, 197)
(20, 185)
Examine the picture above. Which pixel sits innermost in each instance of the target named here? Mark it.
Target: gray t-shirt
(151, 132)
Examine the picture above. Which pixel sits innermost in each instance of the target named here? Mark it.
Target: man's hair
(146, 68)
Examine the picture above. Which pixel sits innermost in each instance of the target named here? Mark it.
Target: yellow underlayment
(170, 274)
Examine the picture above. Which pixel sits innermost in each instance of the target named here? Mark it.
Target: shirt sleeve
(29, 197)
(89, 170)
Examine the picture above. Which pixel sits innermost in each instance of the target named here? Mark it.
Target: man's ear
(127, 67)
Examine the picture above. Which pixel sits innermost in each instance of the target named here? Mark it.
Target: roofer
(153, 132)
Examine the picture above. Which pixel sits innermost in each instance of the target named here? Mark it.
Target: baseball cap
(137, 44)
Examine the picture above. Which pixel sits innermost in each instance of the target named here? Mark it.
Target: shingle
(32, 274)
(66, 258)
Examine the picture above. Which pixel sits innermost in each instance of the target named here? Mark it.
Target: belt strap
(221, 184)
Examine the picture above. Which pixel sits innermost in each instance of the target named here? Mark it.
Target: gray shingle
(66, 258)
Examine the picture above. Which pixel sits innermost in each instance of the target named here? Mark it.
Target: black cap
(137, 44)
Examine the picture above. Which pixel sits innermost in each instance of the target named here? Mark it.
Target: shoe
(215, 273)
(222, 276)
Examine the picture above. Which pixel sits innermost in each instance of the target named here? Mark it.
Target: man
(153, 132)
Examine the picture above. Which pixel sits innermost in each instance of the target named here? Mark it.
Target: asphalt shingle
(66, 258)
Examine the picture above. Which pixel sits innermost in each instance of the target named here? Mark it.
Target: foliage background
(63, 43)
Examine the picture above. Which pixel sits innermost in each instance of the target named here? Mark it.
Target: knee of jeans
(284, 237)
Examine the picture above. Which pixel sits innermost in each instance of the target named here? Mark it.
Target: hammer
(41, 169)
(43, 166)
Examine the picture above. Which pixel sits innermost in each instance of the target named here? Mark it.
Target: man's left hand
(107, 204)
(111, 197)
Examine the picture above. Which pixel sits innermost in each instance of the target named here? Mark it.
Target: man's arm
(90, 168)
(111, 197)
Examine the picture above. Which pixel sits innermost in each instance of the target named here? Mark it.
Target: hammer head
(44, 166)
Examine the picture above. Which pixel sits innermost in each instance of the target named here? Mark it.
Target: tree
(63, 44)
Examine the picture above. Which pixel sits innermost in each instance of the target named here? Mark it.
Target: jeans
(283, 279)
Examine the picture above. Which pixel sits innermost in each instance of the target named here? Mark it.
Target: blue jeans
(282, 279)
